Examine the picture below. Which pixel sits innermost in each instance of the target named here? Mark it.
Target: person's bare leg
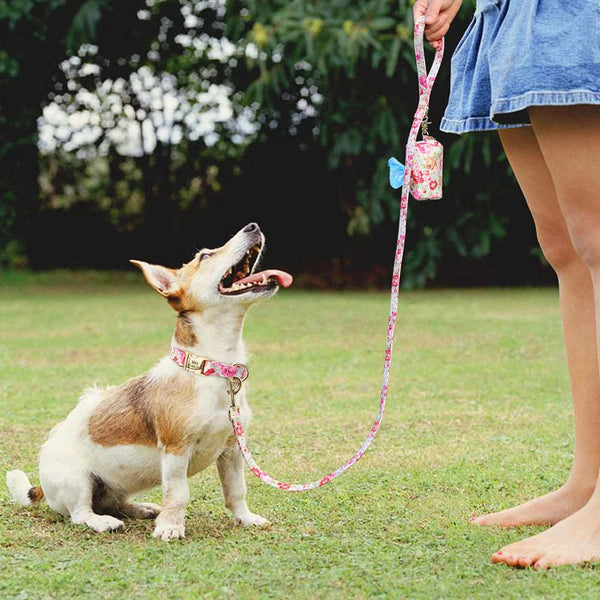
(569, 138)
(578, 316)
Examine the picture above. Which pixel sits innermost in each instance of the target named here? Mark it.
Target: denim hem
(470, 124)
(543, 98)
(506, 106)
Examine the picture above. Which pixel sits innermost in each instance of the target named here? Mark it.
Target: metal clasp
(234, 412)
(235, 385)
(425, 122)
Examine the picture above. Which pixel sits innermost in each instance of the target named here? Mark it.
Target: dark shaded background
(316, 184)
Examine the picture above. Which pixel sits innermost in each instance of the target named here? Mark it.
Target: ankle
(578, 489)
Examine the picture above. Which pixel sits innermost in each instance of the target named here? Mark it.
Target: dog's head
(218, 276)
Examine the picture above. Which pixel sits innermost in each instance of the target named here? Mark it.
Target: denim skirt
(521, 53)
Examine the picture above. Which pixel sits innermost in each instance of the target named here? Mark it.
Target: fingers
(438, 29)
(433, 11)
(438, 16)
(420, 8)
(435, 40)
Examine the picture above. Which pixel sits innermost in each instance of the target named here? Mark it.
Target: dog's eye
(203, 255)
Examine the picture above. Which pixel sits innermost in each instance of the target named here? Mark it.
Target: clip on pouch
(427, 169)
(424, 159)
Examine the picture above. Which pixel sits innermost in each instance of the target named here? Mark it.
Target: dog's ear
(162, 279)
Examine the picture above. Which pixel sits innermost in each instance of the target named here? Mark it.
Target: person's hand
(438, 16)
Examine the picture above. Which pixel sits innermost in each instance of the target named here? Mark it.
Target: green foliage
(336, 80)
(355, 64)
(84, 26)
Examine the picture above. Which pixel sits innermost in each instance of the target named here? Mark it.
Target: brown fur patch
(145, 412)
(184, 331)
(174, 418)
(36, 494)
(182, 301)
(125, 416)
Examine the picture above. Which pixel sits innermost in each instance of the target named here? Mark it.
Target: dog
(171, 422)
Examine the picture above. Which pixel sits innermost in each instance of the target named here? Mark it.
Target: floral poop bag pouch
(422, 175)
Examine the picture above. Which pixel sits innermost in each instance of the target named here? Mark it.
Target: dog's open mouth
(240, 279)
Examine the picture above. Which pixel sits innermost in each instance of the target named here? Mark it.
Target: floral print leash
(422, 178)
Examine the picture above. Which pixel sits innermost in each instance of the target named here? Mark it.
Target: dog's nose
(251, 228)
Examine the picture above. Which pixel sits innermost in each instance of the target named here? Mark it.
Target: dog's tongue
(284, 279)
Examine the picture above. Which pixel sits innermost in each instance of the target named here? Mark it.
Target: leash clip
(234, 413)
(425, 122)
(235, 385)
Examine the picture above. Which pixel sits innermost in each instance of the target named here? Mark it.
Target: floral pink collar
(205, 366)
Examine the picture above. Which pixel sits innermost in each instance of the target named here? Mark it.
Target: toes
(251, 519)
(493, 519)
(505, 557)
(102, 523)
(147, 510)
(528, 559)
(523, 561)
(169, 531)
(481, 520)
(523, 554)
(140, 511)
(516, 556)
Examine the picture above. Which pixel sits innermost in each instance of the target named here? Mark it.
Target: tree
(32, 34)
(348, 69)
(327, 87)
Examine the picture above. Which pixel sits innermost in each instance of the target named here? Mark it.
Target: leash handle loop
(426, 80)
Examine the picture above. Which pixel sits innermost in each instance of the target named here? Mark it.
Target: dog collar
(205, 366)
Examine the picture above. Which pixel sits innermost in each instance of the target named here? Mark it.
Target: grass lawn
(478, 418)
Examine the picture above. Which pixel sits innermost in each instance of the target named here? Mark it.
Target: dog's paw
(169, 531)
(141, 510)
(250, 519)
(102, 523)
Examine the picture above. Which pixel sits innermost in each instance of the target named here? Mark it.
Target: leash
(421, 177)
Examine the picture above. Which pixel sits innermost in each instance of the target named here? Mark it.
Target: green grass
(478, 418)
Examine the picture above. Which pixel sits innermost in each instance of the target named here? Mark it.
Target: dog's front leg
(170, 523)
(230, 465)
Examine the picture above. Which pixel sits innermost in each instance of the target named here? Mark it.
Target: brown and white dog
(166, 425)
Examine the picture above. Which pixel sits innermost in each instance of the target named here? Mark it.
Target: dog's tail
(21, 490)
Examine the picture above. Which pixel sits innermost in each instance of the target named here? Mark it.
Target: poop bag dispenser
(427, 169)
(422, 175)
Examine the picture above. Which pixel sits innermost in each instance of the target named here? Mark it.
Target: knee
(557, 247)
(585, 236)
(579, 198)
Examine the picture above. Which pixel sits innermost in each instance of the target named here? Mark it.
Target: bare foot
(545, 510)
(574, 540)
